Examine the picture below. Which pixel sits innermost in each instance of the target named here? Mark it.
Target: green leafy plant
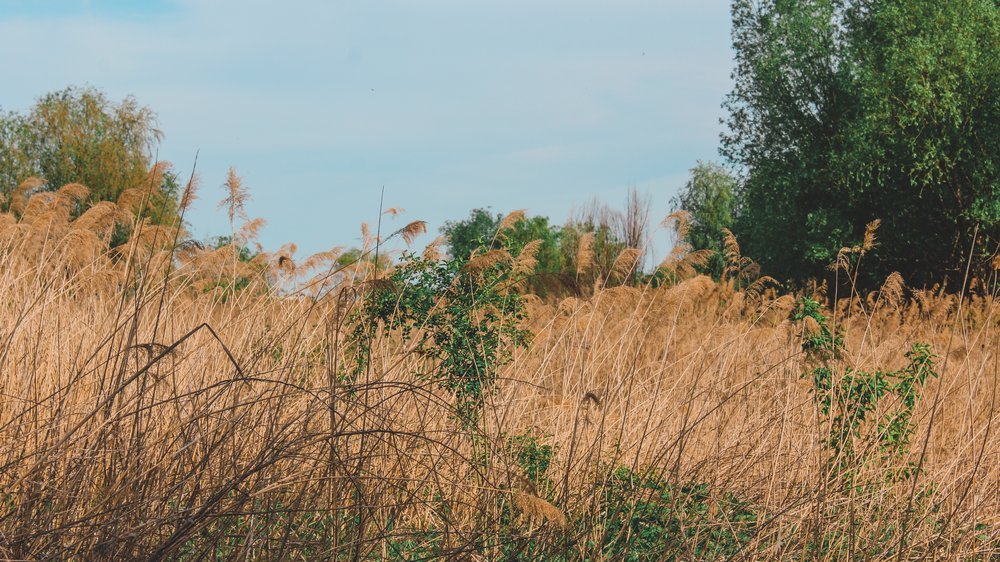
(79, 135)
(463, 316)
(849, 404)
(534, 456)
(646, 517)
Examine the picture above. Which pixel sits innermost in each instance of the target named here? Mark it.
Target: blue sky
(449, 104)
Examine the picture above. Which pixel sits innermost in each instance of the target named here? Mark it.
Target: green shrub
(849, 404)
(461, 315)
(646, 517)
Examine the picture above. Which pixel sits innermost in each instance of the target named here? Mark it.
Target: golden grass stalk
(147, 415)
(585, 254)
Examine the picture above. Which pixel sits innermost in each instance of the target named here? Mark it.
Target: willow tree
(79, 135)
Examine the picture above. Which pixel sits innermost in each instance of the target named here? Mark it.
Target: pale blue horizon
(449, 105)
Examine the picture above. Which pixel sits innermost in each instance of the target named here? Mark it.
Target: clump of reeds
(165, 399)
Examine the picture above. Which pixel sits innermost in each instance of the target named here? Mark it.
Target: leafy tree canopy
(476, 231)
(482, 229)
(78, 135)
(844, 111)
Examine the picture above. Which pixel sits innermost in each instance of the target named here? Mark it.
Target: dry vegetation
(170, 401)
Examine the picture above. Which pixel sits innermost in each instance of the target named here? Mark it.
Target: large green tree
(78, 135)
(844, 111)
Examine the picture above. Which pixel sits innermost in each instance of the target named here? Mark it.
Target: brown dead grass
(146, 401)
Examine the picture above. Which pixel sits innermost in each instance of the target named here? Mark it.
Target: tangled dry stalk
(153, 406)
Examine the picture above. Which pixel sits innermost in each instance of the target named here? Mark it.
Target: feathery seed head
(527, 260)
(250, 230)
(23, 191)
(585, 254)
(511, 219)
(74, 191)
(132, 200)
(811, 326)
(433, 250)
(99, 219)
(892, 289)
(190, 192)
(869, 239)
(626, 263)
(412, 230)
(679, 221)
(484, 261)
(236, 196)
(154, 177)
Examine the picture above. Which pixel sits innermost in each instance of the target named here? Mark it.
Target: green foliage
(228, 536)
(529, 229)
(867, 420)
(465, 319)
(849, 404)
(636, 517)
(466, 236)
(648, 518)
(270, 532)
(534, 456)
(357, 255)
(709, 196)
(481, 230)
(558, 271)
(78, 135)
(847, 111)
(826, 338)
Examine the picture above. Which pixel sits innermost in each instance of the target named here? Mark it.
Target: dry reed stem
(125, 432)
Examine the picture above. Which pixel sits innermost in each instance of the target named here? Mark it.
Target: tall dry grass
(165, 400)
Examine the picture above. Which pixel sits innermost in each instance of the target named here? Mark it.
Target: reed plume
(510, 220)
(236, 198)
(585, 254)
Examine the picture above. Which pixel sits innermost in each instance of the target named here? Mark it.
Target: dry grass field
(165, 400)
